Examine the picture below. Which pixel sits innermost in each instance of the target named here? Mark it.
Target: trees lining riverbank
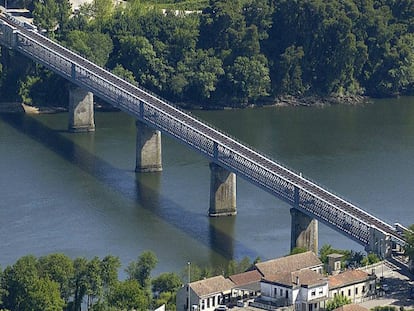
(235, 53)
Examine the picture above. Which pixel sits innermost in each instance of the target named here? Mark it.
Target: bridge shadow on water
(207, 231)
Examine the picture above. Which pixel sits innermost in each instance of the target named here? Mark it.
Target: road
(399, 281)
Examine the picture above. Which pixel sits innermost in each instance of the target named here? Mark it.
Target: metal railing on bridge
(212, 143)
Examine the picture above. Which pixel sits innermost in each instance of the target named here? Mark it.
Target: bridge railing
(151, 114)
(212, 142)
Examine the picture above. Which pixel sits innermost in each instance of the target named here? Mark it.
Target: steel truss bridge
(217, 146)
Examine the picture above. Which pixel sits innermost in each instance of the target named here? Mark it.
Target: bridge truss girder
(231, 155)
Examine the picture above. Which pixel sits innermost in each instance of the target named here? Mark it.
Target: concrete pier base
(304, 231)
(222, 192)
(148, 157)
(379, 243)
(81, 117)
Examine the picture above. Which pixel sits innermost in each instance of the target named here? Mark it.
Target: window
(356, 290)
(320, 291)
(349, 292)
(208, 302)
(281, 292)
(334, 295)
(202, 304)
(363, 289)
(313, 293)
(287, 294)
(275, 292)
(342, 293)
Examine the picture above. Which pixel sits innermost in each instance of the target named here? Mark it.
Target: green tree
(94, 284)
(24, 289)
(44, 295)
(124, 74)
(166, 282)
(94, 46)
(249, 79)
(45, 15)
(79, 282)
(128, 295)
(140, 270)
(109, 272)
(370, 259)
(336, 302)
(58, 268)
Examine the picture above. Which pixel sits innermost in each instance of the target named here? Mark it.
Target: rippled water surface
(79, 194)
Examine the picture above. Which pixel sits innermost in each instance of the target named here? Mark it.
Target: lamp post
(188, 285)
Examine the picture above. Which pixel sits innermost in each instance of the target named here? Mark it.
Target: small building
(356, 285)
(247, 284)
(306, 260)
(205, 295)
(304, 290)
(334, 263)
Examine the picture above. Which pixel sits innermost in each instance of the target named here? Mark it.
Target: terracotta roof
(246, 277)
(351, 307)
(347, 277)
(212, 285)
(288, 263)
(306, 278)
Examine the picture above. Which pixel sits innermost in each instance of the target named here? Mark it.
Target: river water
(78, 193)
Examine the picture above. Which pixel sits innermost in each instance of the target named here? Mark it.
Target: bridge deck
(224, 150)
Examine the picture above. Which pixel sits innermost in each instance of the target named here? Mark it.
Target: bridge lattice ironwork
(217, 146)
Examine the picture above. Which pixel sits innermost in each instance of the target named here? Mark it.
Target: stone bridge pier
(222, 192)
(148, 155)
(379, 243)
(81, 116)
(304, 231)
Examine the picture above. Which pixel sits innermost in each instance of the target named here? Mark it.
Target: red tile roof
(212, 285)
(304, 277)
(246, 277)
(289, 263)
(346, 278)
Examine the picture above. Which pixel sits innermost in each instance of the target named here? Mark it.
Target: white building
(356, 285)
(205, 295)
(305, 289)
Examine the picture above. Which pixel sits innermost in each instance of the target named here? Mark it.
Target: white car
(385, 287)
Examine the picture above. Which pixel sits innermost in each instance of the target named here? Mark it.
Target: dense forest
(227, 53)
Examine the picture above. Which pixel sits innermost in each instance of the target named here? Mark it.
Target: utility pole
(188, 285)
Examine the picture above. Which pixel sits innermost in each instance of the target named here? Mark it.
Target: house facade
(306, 290)
(205, 295)
(357, 285)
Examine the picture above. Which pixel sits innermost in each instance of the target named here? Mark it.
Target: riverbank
(282, 101)
(15, 107)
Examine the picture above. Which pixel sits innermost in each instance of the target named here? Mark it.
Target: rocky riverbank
(319, 101)
(306, 101)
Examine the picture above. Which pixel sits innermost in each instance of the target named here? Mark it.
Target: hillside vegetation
(229, 53)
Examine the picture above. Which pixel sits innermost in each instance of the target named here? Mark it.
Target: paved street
(399, 281)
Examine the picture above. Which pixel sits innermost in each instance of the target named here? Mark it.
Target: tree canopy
(235, 53)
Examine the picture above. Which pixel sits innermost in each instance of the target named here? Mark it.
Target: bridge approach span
(301, 193)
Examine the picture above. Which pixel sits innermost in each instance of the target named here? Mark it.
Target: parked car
(385, 287)
(221, 308)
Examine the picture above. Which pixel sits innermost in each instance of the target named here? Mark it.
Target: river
(78, 193)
